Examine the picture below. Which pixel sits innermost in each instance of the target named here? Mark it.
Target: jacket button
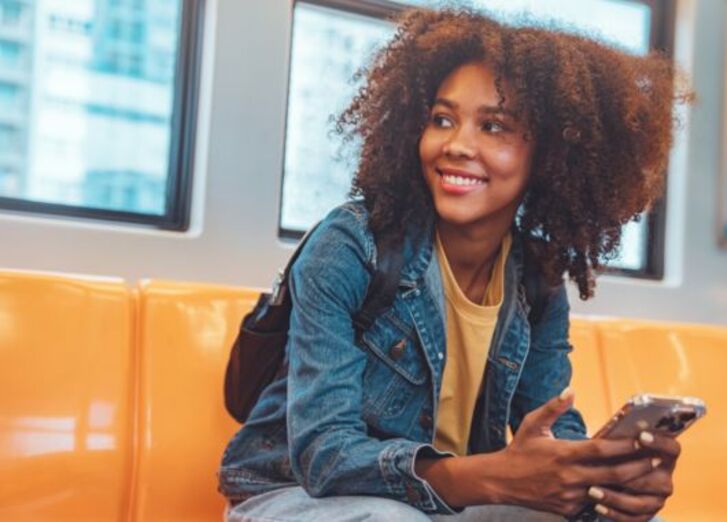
(396, 351)
(426, 421)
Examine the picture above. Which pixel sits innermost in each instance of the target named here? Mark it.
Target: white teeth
(456, 180)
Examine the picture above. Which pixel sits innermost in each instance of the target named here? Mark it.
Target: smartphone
(647, 412)
(656, 413)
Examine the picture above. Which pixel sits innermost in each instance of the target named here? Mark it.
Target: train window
(98, 108)
(334, 38)
(316, 177)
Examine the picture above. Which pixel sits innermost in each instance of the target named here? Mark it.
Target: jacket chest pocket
(396, 372)
(394, 343)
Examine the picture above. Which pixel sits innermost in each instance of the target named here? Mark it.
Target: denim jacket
(353, 414)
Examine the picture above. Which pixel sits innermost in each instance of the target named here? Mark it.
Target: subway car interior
(160, 160)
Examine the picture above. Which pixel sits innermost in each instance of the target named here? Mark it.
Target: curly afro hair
(602, 121)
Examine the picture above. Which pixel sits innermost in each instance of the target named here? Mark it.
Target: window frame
(662, 28)
(177, 211)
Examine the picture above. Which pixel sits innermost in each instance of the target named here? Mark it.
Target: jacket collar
(418, 251)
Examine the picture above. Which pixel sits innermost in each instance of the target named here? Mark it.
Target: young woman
(485, 148)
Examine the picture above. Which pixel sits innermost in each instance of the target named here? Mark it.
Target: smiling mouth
(460, 179)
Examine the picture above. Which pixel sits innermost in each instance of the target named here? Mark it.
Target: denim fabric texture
(295, 505)
(353, 414)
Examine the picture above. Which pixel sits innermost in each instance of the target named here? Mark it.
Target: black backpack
(258, 356)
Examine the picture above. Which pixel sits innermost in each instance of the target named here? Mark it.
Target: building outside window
(90, 85)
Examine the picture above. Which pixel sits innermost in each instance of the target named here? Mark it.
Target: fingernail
(566, 394)
(637, 446)
(655, 462)
(603, 510)
(596, 493)
(646, 437)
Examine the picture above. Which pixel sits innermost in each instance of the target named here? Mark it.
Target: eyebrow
(483, 109)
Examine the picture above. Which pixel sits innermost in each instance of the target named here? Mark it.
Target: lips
(457, 173)
(458, 182)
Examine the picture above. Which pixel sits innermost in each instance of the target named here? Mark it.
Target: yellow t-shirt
(470, 327)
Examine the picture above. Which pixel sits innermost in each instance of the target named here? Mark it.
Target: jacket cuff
(569, 434)
(570, 426)
(397, 467)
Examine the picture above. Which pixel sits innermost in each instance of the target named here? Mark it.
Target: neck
(472, 251)
(471, 247)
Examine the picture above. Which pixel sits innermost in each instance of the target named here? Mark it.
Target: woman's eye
(442, 121)
(493, 126)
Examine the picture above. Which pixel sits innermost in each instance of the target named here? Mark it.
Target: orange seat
(65, 407)
(674, 359)
(112, 404)
(185, 334)
(588, 380)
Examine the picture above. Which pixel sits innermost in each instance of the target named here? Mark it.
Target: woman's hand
(536, 470)
(542, 473)
(640, 499)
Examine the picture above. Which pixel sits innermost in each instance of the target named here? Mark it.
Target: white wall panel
(233, 237)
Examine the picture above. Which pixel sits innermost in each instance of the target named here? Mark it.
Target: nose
(460, 144)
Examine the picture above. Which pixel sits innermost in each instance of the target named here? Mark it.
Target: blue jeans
(293, 504)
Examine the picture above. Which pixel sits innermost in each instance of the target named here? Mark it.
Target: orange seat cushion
(588, 380)
(65, 407)
(185, 335)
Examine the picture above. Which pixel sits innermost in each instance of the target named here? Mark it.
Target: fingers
(617, 474)
(539, 421)
(659, 446)
(658, 482)
(668, 447)
(620, 506)
(602, 449)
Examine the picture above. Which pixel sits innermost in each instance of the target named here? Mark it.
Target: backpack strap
(384, 282)
(279, 291)
(382, 288)
(537, 290)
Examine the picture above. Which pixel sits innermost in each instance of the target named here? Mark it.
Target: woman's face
(474, 155)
